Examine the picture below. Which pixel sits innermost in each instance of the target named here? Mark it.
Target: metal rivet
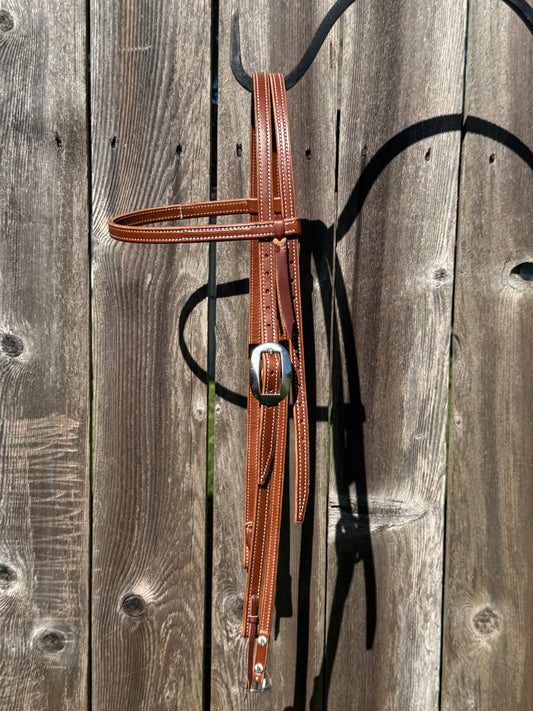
(261, 641)
(258, 668)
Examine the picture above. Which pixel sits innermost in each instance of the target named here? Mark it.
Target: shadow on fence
(352, 536)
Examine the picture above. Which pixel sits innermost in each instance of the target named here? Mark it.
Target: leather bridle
(275, 341)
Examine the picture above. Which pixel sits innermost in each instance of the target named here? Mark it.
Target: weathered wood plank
(488, 650)
(400, 94)
(44, 358)
(151, 111)
(274, 39)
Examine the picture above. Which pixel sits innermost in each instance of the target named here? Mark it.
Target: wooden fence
(410, 584)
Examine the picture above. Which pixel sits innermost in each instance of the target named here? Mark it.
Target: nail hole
(239, 150)
(133, 605)
(113, 142)
(308, 153)
(428, 154)
(6, 21)
(523, 271)
(52, 641)
(179, 151)
(11, 345)
(59, 141)
(492, 158)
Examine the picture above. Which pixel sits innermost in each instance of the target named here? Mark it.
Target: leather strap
(275, 323)
(268, 425)
(127, 227)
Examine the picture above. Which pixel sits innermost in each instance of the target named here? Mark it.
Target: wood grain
(151, 110)
(400, 89)
(376, 127)
(274, 39)
(44, 358)
(488, 642)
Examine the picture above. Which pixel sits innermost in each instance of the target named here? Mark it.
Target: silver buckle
(255, 373)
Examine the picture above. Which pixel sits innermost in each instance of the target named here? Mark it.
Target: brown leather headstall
(275, 340)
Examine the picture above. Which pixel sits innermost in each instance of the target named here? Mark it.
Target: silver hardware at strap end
(270, 399)
(260, 686)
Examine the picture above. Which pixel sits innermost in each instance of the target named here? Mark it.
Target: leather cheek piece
(275, 318)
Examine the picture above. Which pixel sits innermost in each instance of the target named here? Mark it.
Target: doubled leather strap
(275, 341)
(127, 227)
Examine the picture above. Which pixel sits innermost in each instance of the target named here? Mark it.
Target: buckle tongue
(255, 373)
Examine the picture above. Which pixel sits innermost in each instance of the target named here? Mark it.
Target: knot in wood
(11, 345)
(52, 641)
(133, 605)
(7, 575)
(486, 621)
(6, 21)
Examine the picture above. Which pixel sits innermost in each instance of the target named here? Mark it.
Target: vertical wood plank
(274, 39)
(151, 112)
(44, 357)
(400, 90)
(488, 642)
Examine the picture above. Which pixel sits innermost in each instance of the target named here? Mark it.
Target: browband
(275, 340)
(126, 228)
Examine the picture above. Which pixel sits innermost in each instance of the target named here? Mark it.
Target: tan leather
(275, 317)
(127, 227)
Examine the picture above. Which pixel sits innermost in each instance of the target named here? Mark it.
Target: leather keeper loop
(279, 230)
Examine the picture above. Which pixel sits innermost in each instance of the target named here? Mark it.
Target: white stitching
(269, 145)
(258, 139)
(194, 206)
(213, 228)
(252, 569)
(299, 404)
(206, 207)
(287, 148)
(244, 231)
(270, 575)
(262, 265)
(251, 462)
(283, 137)
(279, 128)
(260, 576)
